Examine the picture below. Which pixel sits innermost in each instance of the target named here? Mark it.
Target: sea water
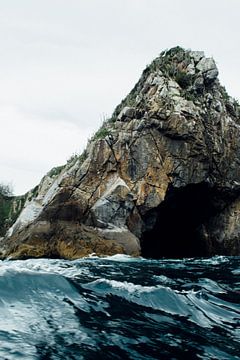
(120, 307)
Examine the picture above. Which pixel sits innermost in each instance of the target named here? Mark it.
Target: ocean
(120, 307)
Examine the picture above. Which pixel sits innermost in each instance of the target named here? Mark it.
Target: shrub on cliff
(6, 189)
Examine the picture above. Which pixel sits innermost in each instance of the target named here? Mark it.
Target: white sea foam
(122, 258)
(70, 269)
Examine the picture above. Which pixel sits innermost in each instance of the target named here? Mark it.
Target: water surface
(120, 308)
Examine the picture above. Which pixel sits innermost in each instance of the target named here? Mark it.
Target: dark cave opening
(173, 229)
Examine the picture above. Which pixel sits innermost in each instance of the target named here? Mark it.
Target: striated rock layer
(160, 178)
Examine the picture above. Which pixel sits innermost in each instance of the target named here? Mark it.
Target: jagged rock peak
(184, 67)
(176, 73)
(160, 178)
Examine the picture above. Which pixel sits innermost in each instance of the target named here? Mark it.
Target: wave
(120, 307)
(198, 306)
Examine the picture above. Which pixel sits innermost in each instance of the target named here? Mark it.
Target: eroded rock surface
(171, 147)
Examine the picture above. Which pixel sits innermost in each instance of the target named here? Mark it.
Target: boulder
(127, 112)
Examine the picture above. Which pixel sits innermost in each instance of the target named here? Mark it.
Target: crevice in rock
(173, 229)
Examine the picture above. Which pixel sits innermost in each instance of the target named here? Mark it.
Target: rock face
(160, 178)
(10, 208)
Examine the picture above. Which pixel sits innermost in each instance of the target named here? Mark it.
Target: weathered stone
(211, 75)
(223, 230)
(124, 238)
(127, 112)
(206, 64)
(196, 55)
(218, 106)
(191, 69)
(60, 239)
(199, 84)
(116, 199)
(168, 170)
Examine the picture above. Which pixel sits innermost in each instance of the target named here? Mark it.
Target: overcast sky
(65, 64)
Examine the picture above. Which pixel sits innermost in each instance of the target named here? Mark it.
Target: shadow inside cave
(173, 228)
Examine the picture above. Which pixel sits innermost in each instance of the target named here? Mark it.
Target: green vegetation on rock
(10, 208)
(183, 79)
(101, 133)
(55, 171)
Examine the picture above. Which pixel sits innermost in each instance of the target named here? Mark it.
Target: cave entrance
(173, 228)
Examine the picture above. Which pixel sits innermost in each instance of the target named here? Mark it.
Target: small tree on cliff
(6, 189)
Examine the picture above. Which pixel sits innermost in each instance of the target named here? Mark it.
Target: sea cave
(173, 229)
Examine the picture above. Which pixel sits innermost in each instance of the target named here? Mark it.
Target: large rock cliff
(160, 178)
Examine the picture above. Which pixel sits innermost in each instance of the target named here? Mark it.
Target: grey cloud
(68, 62)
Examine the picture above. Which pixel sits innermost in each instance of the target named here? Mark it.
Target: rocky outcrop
(160, 178)
(10, 209)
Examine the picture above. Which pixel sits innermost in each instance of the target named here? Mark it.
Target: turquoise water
(120, 308)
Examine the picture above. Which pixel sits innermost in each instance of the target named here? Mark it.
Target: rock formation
(160, 178)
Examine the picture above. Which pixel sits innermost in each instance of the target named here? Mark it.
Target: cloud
(33, 146)
(64, 64)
